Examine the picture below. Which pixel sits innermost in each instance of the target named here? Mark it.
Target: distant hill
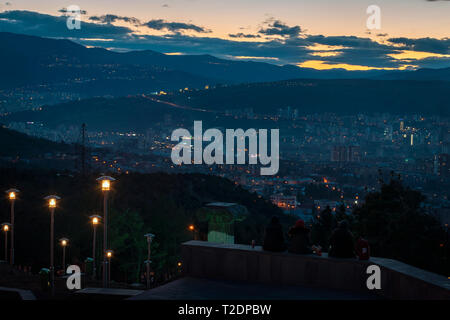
(14, 143)
(421, 74)
(28, 60)
(316, 96)
(106, 114)
(308, 96)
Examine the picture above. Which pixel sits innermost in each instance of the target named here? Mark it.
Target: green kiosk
(218, 219)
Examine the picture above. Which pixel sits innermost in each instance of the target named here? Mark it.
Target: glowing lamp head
(95, 220)
(179, 264)
(12, 193)
(106, 185)
(106, 182)
(52, 200)
(109, 254)
(191, 227)
(5, 227)
(64, 242)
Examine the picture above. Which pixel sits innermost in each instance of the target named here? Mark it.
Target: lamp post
(149, 237)
(95, 219)
(52, 199)
(12, 195)
(108, 256)
(6, 227)
(64, 242)
(106, 187)
(192, 228)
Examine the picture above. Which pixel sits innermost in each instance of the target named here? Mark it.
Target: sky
(320, 34)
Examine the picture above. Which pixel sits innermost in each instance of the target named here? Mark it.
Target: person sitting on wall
(299, 238)
(341, 242)
(273, 239)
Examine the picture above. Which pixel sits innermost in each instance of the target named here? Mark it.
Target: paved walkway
(24, 294)
(204, 289)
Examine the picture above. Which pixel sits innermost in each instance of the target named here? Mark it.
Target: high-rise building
(402, 125)
(443, 165)
(346, 154)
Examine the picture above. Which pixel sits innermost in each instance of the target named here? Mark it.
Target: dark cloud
(243, 35)
(65, 11)
(37, 24)
(165, 5)
(278, 28)
(160, 24)
(110, 18)
(346, 41)
(441, 46)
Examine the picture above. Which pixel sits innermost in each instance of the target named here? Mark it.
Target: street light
(95, 220)
(6, 227)
(64, 242)
(149, 237)
(12, 195)
(105, 182)
(52, 200)
(192, 228)
(108, 256)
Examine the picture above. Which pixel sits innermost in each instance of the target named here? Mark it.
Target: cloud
(110, 18)
(424, 44)
(243, 35)
(160, 24)
(44, 25)
(65, 11)
(278, 28)
(165, 5)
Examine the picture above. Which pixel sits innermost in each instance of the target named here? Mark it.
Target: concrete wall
(243, 263)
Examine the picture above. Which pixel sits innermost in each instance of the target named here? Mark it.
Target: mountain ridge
(29, 59)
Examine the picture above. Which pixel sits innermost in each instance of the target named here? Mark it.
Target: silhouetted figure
(274, 240)
(341, 242)
(362, 249)
(299, 238)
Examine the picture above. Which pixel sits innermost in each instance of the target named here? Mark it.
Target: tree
(127, 239)
(324, 224)
(397, 227)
